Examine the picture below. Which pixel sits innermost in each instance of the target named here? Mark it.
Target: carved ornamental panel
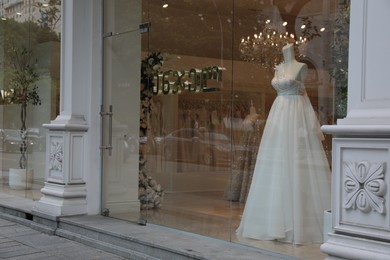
(55, 158)
(361, 182)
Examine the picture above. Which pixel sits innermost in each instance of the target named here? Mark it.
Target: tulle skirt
(290, 189)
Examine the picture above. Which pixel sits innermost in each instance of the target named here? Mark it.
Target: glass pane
(189, 135)
(289, 92)
(120, 109)
(29, 84)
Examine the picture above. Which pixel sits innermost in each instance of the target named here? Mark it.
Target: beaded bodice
(284, 84)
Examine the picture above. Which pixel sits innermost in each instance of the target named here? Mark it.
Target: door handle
(103, 114)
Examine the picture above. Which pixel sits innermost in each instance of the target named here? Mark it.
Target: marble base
(62, 200)
(340, 246)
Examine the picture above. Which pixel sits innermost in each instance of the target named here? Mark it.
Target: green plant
(22, 81)
(338, 68)
(18, 72)
(50, 13)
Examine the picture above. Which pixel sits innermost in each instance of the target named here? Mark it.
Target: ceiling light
(164, 4)
(322, 29)
(265, 47)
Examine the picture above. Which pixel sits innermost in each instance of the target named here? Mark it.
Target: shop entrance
(167, 127)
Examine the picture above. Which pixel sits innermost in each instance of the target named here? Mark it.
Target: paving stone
(38, 255)
(4, 240)
(18, 242)
(42, 240)
(8, 243)
(13, 248)
(20, 252)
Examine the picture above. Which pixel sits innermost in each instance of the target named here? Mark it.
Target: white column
(361, 143)
(69, 146)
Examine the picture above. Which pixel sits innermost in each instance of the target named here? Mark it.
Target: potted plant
(22, 81)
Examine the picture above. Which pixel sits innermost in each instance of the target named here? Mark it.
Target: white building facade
(93, 146)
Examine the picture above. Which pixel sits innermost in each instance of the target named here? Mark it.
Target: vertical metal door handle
(109, 114)
(110, 131)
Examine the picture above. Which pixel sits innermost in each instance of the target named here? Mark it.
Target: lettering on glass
(193, 80)
(365, 186)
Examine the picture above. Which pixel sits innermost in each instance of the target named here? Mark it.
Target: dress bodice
(286, 86)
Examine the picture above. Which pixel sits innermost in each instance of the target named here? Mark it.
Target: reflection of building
(23, 11)
(19, 10)
(74, 172)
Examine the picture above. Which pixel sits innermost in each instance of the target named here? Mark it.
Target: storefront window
(29, 85)
(233, 94)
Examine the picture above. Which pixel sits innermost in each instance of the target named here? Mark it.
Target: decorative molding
(341, 246)
(363, 72)
(56, 155)
(62, 200)
(365, 186)
(358, 130)
(360, 197)
(67, 123)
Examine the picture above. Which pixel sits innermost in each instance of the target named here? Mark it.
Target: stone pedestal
(65, 191)
(360, 195)
(62, 200)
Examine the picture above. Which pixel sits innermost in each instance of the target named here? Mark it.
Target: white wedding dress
(290, 188)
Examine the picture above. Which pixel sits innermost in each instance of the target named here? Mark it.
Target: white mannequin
(214, 118)
(290, 65)
(252, 116)
(290, 188)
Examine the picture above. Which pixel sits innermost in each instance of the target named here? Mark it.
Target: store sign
(193, 80)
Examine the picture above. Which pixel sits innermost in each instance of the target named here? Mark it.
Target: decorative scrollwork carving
(56, 156)
(365, 186)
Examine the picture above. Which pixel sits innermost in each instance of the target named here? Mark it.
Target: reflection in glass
(120, 109)
(29, 84)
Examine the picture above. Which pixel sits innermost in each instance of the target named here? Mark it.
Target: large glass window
(29, 86)
(233, 94)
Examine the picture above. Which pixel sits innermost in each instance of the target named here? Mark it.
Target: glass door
(168, 132)
(120, 108)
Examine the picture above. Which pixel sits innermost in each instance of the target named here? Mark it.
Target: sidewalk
(20, 242)
(25, 234)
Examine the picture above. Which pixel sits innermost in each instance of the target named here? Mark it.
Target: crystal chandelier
(265, 48)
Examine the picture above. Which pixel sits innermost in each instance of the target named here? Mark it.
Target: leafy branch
(50, 13)
(338, 67)
(23, 78)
